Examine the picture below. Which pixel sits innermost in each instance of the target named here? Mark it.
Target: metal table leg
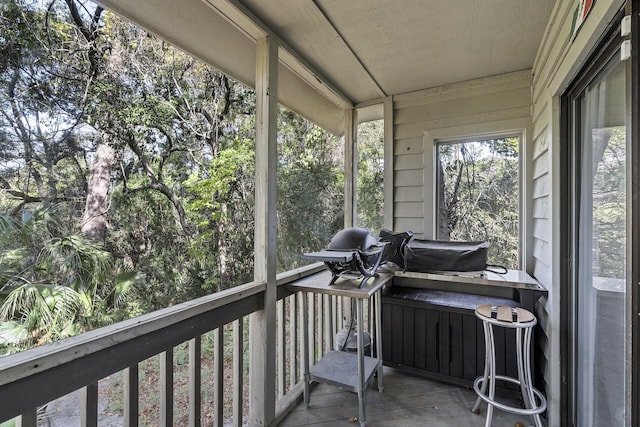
(362, 414)
(378, 313)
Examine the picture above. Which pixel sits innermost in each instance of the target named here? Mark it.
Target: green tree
(310, 183)
(52, 281)
(478, 195)
(370, 190)
(147, 155)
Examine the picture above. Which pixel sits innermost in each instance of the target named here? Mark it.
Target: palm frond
(44, 308)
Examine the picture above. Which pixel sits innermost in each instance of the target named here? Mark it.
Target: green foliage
(52, 279)
(479, 196)
(609, 203)
(370, 189)
(180, 212)
(310, 189)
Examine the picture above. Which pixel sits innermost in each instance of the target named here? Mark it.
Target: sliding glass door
(599, 206)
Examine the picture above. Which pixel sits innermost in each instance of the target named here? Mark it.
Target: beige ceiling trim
(253, 27)
(381, 92)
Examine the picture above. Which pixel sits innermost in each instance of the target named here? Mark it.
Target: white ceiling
(340, 53)
(374, 48)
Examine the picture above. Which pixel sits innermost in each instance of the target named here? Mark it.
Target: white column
(263, 323)
(388, 163)
(350, 166)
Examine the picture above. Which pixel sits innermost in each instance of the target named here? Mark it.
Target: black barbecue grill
(353, 253)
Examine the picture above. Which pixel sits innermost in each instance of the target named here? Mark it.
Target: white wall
(557, 63)
(487, 106)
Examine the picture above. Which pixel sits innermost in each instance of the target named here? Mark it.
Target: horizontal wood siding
(559, 58)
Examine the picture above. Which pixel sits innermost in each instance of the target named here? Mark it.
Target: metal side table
(352, 371)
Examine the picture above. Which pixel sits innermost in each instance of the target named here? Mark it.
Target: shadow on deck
(407, 400)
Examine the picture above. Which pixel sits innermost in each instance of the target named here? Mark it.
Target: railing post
(89, 406)
(28, 419)
(131, 396)
(238, 374)
(262, 329)
(281, 354)
(350, 167)
(195, 381)
(166, 388)
(218, 377)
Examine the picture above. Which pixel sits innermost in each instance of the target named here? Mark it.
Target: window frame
(491, 130)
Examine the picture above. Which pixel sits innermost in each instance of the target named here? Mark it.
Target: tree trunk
(94, 220)
(442, 233)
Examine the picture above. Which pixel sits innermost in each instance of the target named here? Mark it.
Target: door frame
(604, 51)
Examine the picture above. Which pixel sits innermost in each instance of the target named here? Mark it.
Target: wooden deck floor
(407, 400)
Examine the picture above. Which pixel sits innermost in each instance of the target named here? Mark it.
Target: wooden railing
(31, 379)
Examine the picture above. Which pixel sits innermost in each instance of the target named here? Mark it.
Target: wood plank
(497, 100)
(461, 90)
(409, 146)
(131, 400)
(311, 327)
(456, 353)
(165, 388)
(433, 330)
(89, 406)
(409, 209)
(409, 162)
(421, 340)
(387, 330)
(396, 338)
(195, 381)
(444, 343)
(326, 321)
(469, 347)
(417, 129)
(218, 377)
(408, 178)
(280, 349)
(262, 359)
(319, 325)
(238, 372)
(293, 339)
(408, 336)
(28, 419)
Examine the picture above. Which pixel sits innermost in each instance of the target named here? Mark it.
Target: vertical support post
(28, 419)
(378, 315)
(165, 385)
(388, 163)
(362, 415)
(293, 340)
(238, 374)
(263, 323)
(281, 354)
(131, 400)
(195, 382)
(218, 376)
(350, 167)
(89, 406)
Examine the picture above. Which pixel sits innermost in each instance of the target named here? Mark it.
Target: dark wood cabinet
(435, 333)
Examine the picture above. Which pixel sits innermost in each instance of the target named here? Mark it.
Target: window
(370, 185)
(477, 194)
